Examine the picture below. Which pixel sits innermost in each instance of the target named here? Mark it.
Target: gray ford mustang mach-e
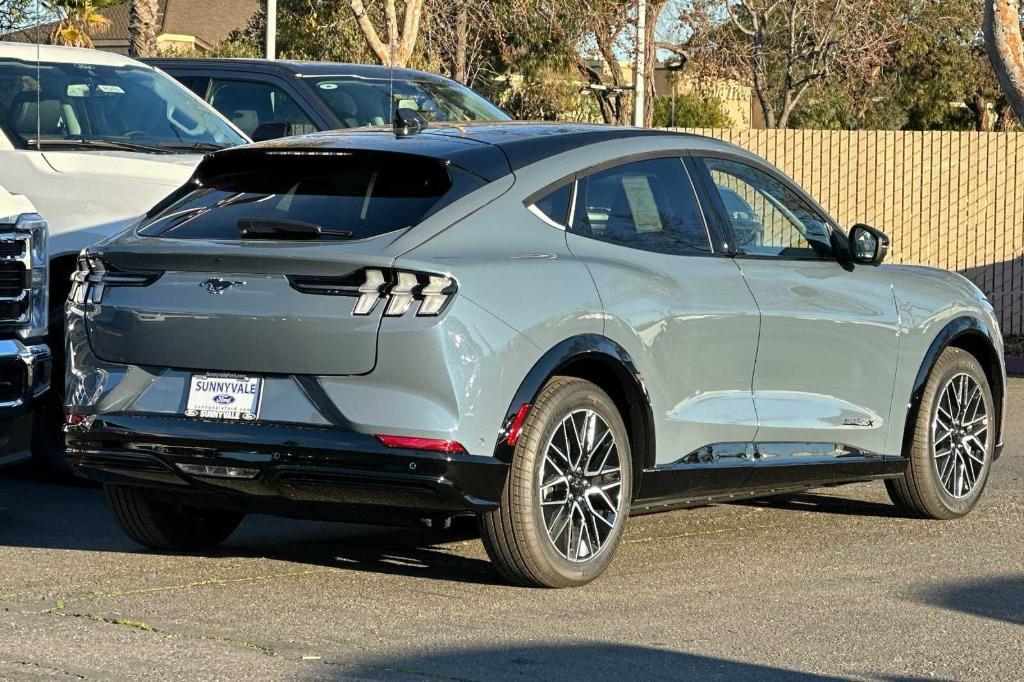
(551, 327)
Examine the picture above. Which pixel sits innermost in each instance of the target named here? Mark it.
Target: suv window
(355, 196)
(555, 205)
(767, 217)
(648, 205)
(250, 104)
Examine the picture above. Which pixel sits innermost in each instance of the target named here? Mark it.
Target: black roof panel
(490, 150)
(525, 142)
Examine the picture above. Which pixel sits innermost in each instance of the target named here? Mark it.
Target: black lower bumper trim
(281, 469)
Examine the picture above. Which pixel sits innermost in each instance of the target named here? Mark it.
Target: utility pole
(271, 29)
(639, 89)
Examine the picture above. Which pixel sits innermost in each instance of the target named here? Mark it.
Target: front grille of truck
(12, 248)
(14, 284)
(12, 279)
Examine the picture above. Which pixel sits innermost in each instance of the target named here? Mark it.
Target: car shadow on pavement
(825, 504)
(574, 661)
(999, 598)
(40, 513)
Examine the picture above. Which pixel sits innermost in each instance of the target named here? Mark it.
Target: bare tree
(401, 41)
(594, 34)
(783, 47)
(604, 29)
(143, 27)
(1005, 44)
(654, 10)
(456, 36)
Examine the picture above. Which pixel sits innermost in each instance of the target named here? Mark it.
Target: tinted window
(361, 102)
(555, 205)
(249, 104)
(647, 205)
(767, 217)
(76, 103)
(347, 197)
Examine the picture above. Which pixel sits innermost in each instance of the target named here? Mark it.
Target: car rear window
(344, 196)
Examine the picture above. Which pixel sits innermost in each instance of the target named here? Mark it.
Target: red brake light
(431, 444)
(72, 419)
(517, 424)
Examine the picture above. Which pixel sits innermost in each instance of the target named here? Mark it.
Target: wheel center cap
(577, 485)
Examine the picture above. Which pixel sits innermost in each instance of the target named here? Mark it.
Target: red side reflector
(72, 419)
(517, 424)
(431, 444)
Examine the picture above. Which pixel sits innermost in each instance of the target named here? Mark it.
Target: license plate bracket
(227, 397)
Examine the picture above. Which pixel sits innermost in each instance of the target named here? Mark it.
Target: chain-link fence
(948, 199)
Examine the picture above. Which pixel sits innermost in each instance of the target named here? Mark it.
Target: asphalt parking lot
(827, 585)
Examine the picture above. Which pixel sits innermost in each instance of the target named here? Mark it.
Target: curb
(1015, 365)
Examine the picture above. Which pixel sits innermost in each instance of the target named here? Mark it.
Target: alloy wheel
(960, 435)
(580, 483)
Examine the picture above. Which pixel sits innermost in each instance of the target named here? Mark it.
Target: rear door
(681, 310)
(826, 356)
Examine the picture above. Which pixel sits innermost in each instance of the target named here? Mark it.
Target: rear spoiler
(470, 164)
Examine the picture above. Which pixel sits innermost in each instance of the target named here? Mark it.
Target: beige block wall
(952, 200)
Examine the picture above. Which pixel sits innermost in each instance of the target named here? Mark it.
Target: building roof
(209, 21)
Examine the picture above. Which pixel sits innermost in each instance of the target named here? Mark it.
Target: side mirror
(271, 131)
(868, 246)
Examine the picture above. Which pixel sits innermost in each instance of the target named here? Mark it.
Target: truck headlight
(24, 273)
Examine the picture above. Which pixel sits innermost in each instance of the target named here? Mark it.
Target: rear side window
(649, 205)
(334, 197)
(554, 206)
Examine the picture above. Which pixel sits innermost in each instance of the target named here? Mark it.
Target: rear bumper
(317, 472)
(24, 376)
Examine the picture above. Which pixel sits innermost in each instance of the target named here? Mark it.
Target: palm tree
(143, 27)
(78, 19)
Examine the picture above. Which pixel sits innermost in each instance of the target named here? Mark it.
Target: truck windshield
(87, 106)
(361, 101)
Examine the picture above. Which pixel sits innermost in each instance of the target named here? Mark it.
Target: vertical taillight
(402, 291)
(369, 292)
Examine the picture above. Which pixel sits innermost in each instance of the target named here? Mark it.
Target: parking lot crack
(39, 666)
(207, 582)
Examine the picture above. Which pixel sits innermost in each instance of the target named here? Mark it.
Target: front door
(826, 357)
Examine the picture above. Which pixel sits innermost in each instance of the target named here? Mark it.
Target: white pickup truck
(24, 355)
(93, 140)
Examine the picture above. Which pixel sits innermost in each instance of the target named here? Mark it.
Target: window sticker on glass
(642, 204)
(328, 86)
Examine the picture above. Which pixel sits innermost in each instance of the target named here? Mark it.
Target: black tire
(922, 491)
(516, 534)
(168, 526)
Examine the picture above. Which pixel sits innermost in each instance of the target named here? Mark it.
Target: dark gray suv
(550, 327)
